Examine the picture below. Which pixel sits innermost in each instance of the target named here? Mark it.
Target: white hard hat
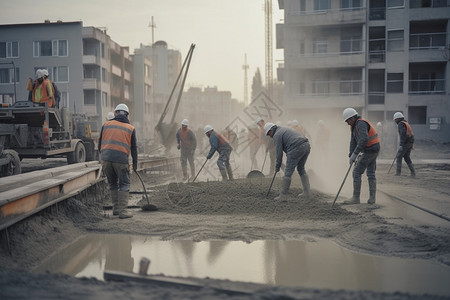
(123, 107)
(207, 128)
(185, 122)
(44, 72)
(267, 127)
(348, 113)
(39, 73)
(398, 115)
(110, 115)
(294, 122)
(259, 119)
(379, 124)
(278, 123)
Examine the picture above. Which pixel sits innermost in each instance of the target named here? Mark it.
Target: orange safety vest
(184, 134)
(44, 96)
(373, 136)
(409, 131)
(221, 138)
(117, 136)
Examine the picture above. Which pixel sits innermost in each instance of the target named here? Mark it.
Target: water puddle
(320, 264)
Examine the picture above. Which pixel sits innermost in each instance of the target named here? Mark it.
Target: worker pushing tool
(220, 144)
(363, 139)
(406, 144)
(297, 148)
(187, 143)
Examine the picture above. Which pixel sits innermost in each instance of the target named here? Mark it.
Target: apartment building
(93, 73)
(378, 56)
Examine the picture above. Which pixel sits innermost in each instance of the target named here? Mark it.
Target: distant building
(378, 56)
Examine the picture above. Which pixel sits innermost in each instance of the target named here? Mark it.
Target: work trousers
(118, 175)
(297, 159)
(368, 160)
(405, 154)
(187, 155)
(224, 158)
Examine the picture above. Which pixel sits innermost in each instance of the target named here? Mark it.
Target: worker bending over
(297, 148)
(220, 144)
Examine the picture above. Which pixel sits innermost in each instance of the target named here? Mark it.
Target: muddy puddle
(309, 264)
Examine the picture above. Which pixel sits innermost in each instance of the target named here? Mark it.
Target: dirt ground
(234, 211)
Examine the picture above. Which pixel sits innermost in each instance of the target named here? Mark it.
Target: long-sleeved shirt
(186, 139)
(403, 133)
(286, 140)
(216, 146)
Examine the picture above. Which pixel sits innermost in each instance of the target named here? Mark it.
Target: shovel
(256, 173)
(148, 206)
(200, 170)
(348, 171)
(270, 187)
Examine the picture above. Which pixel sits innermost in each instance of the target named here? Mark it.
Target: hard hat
(278, 123)
(258, 120)
(39, 73)
(123, 107)
(207, 128)
(294, 122)
(398, 115)
(379, 124)
(44, 72)
(348, 113)
(110, 115)
(185, 122)
(267, 127)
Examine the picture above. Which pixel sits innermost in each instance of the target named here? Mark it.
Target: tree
(257, 84)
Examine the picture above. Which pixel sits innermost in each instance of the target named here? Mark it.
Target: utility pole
(269, 51)
(245, 68)
(153, 26)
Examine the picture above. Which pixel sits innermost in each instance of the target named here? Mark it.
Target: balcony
(91, 84)
(426, 86)
(326, 17)
(325, 60)
(91, 60)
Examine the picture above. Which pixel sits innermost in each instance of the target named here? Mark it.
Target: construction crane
(269, 50)
(245, 68)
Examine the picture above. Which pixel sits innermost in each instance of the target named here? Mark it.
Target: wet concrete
(312, 264)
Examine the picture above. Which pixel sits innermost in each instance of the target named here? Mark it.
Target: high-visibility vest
(117, 136)
(373, 136)
(409, 132)
(184, 138)
(44, 95)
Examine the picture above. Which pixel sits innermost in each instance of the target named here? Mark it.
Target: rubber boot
(411, 168)
(123, 204)
(399, 169)
(230, 172)
(223, 171)
(115, 201)
(306, 187)
(284, 189)
(356, 193)
(372, 191)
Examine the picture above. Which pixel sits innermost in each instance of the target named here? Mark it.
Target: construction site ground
(239, 211)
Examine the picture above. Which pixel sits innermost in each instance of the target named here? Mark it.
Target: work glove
(353, 157)
(277, 169)
(178, 147)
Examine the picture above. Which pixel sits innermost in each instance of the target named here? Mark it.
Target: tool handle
(200, 170)
(143, 185)
(392, 164)
(270, 187)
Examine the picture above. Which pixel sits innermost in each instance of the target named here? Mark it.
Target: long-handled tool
(148, 206)
(257, 173)
(270, 187)
(343, 181)
(200, 170)
(392, 164)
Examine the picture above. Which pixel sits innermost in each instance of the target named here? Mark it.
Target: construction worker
(364, 139)
(187, 143)
(220, 144)
(300, 129)
(268, 143)
(42, 91)
(109, 116)
(117, 140)
(406, 144)
(297, 148)
(56, 92)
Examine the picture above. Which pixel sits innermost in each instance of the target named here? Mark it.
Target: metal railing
(427, 86)
(423, 41)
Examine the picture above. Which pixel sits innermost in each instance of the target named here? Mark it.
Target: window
(351, 44)
(394, 83)
(61, 74)
(395, 3)
(9, 49)
(322, 5)
(320, 47)
(104, 99)
(321, 87)
(104, 75)
(395, 40)
(64, 99)
(302, 5)
(7, 75)
(348, 4)
(50, 48)
(417, 114)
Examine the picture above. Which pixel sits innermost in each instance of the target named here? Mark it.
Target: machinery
(28, 130)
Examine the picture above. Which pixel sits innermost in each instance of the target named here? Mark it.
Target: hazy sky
(223, 31)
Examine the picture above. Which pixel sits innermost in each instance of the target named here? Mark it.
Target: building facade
(378, 56)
